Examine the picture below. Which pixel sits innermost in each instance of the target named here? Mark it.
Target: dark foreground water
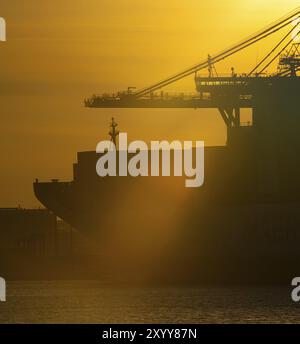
(91, 302)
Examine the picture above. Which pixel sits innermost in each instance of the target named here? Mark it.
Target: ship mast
(113, 132)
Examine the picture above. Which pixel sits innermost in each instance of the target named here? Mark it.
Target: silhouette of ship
(242, 224)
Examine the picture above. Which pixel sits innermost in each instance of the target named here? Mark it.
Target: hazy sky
(60, 51)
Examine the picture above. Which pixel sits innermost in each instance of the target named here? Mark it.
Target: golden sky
(60, 51)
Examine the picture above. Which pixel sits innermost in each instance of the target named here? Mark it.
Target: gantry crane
(228, 94)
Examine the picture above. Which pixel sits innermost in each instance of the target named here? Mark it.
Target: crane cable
(272, 51)
(275, 57)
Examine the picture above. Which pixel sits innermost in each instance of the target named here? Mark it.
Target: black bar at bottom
(142, 333)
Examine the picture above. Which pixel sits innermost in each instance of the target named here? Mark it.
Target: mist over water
(94, 302)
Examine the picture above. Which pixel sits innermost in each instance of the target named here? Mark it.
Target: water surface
(92, 302)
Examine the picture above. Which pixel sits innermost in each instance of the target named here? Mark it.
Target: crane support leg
(231, 116)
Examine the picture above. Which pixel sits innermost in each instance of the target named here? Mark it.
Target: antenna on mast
(113, 133)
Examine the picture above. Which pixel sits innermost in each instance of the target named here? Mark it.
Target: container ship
(241, 226)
